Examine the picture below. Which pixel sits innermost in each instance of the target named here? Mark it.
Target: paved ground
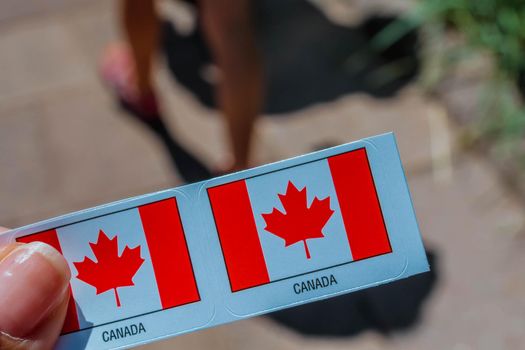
(64, 147)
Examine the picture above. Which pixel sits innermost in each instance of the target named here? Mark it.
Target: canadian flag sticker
(298, 220)
(111, 270)
(224, 249)
(124, 264)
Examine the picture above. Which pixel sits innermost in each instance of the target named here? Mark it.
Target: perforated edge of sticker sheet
(240, 245)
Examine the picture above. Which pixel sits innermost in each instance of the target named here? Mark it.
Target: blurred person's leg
(142, 30)
(127, 69)
(230, 32)
(127, 66)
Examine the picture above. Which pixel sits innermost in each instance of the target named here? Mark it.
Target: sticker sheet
(236, 246)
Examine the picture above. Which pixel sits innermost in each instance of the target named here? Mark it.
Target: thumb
(34, 295)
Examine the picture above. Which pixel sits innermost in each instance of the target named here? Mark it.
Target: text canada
(123, 332)
(313, 284)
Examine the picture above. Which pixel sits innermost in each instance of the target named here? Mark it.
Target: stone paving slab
(11, 10)
(38, 57)
(69, 150)
(279, 137)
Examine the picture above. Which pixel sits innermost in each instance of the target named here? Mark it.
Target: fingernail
(34, 278)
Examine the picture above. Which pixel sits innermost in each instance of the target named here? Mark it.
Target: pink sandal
(117, 70)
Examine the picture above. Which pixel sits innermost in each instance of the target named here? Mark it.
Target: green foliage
(494, 25)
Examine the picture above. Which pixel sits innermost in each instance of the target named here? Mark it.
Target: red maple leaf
(111, 271)
(300, 222)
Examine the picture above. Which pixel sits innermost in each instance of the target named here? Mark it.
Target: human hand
(34, 294)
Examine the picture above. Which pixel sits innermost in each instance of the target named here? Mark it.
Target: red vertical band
(169, 253)
(240, 243)
(359, 204)
(50, 237)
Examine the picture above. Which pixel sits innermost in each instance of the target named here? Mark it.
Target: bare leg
(229, 29)
(142, 30)
(128, 71)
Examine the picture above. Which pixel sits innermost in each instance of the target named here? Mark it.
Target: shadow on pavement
(387, 308)
(307, 58)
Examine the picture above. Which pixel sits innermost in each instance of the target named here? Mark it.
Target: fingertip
(53, 256)
(34, 278)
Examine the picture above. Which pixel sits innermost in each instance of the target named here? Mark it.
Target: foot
(118, 72)
(227, 167)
